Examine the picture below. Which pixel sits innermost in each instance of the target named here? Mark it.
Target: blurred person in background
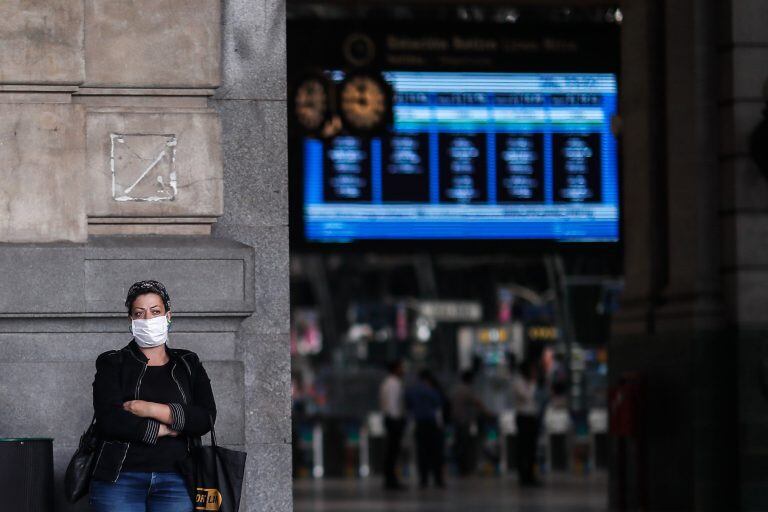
(425, 403)
(524, 388)
(466, 409)
(391, 405)
(443, 419)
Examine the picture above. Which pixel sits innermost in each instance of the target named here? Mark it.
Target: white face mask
(150, 333)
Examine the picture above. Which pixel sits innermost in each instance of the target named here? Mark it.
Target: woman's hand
(144, 409)
(140, 408)
(165, 430)
(160, 412)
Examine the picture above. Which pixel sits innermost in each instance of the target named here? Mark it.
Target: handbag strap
(198, 441)
(213, 431)
(89, 435)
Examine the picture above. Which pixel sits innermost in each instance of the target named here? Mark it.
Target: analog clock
(365, 102)
(312, 103)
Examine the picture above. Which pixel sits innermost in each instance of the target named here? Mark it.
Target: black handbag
(77, 479)
(215, 476)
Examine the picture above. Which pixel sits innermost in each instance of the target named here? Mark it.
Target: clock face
(364, 103)
(311, 104)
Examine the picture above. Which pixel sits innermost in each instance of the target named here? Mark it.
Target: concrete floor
(562, 493)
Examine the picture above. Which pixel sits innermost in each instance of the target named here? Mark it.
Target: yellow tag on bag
(207, 499)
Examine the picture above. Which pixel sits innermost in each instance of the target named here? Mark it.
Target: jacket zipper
(173, 375)
(138, 384)
(128, 445)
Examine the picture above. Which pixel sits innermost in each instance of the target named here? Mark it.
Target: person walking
(150, 402)
(391, 405)
(466, 409)
(524, 389)
(425, 404)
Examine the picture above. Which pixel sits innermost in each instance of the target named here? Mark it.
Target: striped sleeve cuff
(151, 434)
(177, 415)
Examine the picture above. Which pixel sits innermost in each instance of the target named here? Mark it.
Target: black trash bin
(26, 474)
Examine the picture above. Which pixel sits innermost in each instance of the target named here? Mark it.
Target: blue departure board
(485, 156)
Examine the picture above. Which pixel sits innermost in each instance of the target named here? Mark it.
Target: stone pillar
(671, 329)
(252, 104)
(107, 135)
(743, 54)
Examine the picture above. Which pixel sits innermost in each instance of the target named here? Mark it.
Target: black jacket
(118, 379)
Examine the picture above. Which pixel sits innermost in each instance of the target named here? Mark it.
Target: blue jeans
(137, 491)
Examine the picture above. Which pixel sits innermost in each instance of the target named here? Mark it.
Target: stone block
(268, 480)
(746, 239)
(210, 346)
(205, 281)
(153, 164)
(748, 21)
(254, 45)
(152, 43)
(41, 278)
(42, 152)
(228, 390)
(749, 289)
(42, 42)
(254, 140)
(271, 269)
(22, 347)
(167, 247)
(737, 121)
(744, 187)
(45, 400)
(272, 280)
(267, 388)
(203, 275)
(745, 74)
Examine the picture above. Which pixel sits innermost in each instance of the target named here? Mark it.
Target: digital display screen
(471, 155)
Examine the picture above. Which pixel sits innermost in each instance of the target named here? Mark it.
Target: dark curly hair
(148, 286)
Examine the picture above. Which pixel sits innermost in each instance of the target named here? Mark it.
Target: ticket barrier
(308, 449)
(373, 445)
(348, 447)
(598, 428)
(508, 429)
(303, 448)
(341, 447)
(556, 428)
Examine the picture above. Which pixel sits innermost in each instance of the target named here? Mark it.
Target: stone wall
(692, 321)
(105, 125)
(743, 58)
(117, 161)
(251, 102)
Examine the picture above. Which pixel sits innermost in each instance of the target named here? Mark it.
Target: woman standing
(150, 402)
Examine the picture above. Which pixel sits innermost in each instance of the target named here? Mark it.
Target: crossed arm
(152, 410)
(142, 421)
